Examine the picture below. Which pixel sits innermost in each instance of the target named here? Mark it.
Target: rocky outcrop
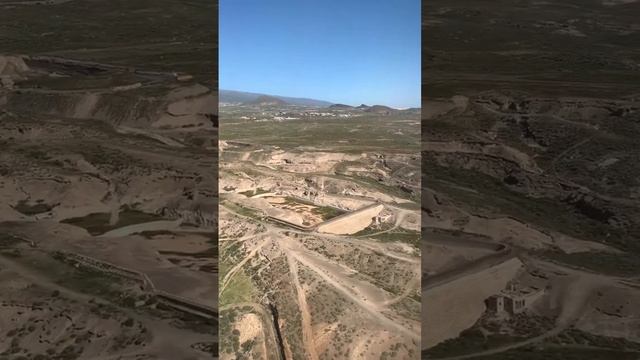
(202, 215)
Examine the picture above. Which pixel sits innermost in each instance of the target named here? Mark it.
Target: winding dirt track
(373, 301)
(158, 344)
(234, 270)
(622, 201)
(574, 300)
(373, 309)
(307, 329)
(573, 306)
(501, 254)
(270, 331)
(411, 286)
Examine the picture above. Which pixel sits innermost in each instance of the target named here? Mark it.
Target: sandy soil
(351, 223)
(299, 213)
(250, 327)
(346, 265)
(453, 307)
(307, 330)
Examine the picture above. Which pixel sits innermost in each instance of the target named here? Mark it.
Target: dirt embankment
(455, 306)
(507, 153)
(353, 222)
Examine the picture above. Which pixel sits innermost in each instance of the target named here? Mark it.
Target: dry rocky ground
(531, 180)
(319, 252)
(108, 185)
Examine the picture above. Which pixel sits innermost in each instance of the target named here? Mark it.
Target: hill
(266, 100)
(379, 109)
(341, 107)
(232, 96)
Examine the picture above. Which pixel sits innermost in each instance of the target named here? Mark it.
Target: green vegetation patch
(93, 282)
(401, 235)
(327, 212)
(239, 290)
(615, 264)
(492, 196)
(8, 240)
(382, 187)
(98, 223)
(150, 234)
(242, 210)
(25, 208)
(559, 353)
(258, 191)
(581, 338)
(223, 269)
(372, 229)
(79, 278)
(230, 253)
(469, 341)
(230, 341)
(211, 253)
(358, 134)
(569, 345)
(164, 35)
(486, 334)
(290, 200)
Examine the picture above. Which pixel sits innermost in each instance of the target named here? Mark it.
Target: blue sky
(343, 51)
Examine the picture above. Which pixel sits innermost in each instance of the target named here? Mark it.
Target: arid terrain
(531, 198)
(319, 231)
(108, 180)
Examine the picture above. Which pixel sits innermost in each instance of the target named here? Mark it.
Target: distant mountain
(264, 100)
(341, 107)
(380, 109)
(413, 111)
(249, 98)
(241, 97)
(375, 109)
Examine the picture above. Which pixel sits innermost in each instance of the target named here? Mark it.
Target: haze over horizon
(302, 96)
(342, 52)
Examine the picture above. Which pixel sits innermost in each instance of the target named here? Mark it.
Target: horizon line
(314, 99)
